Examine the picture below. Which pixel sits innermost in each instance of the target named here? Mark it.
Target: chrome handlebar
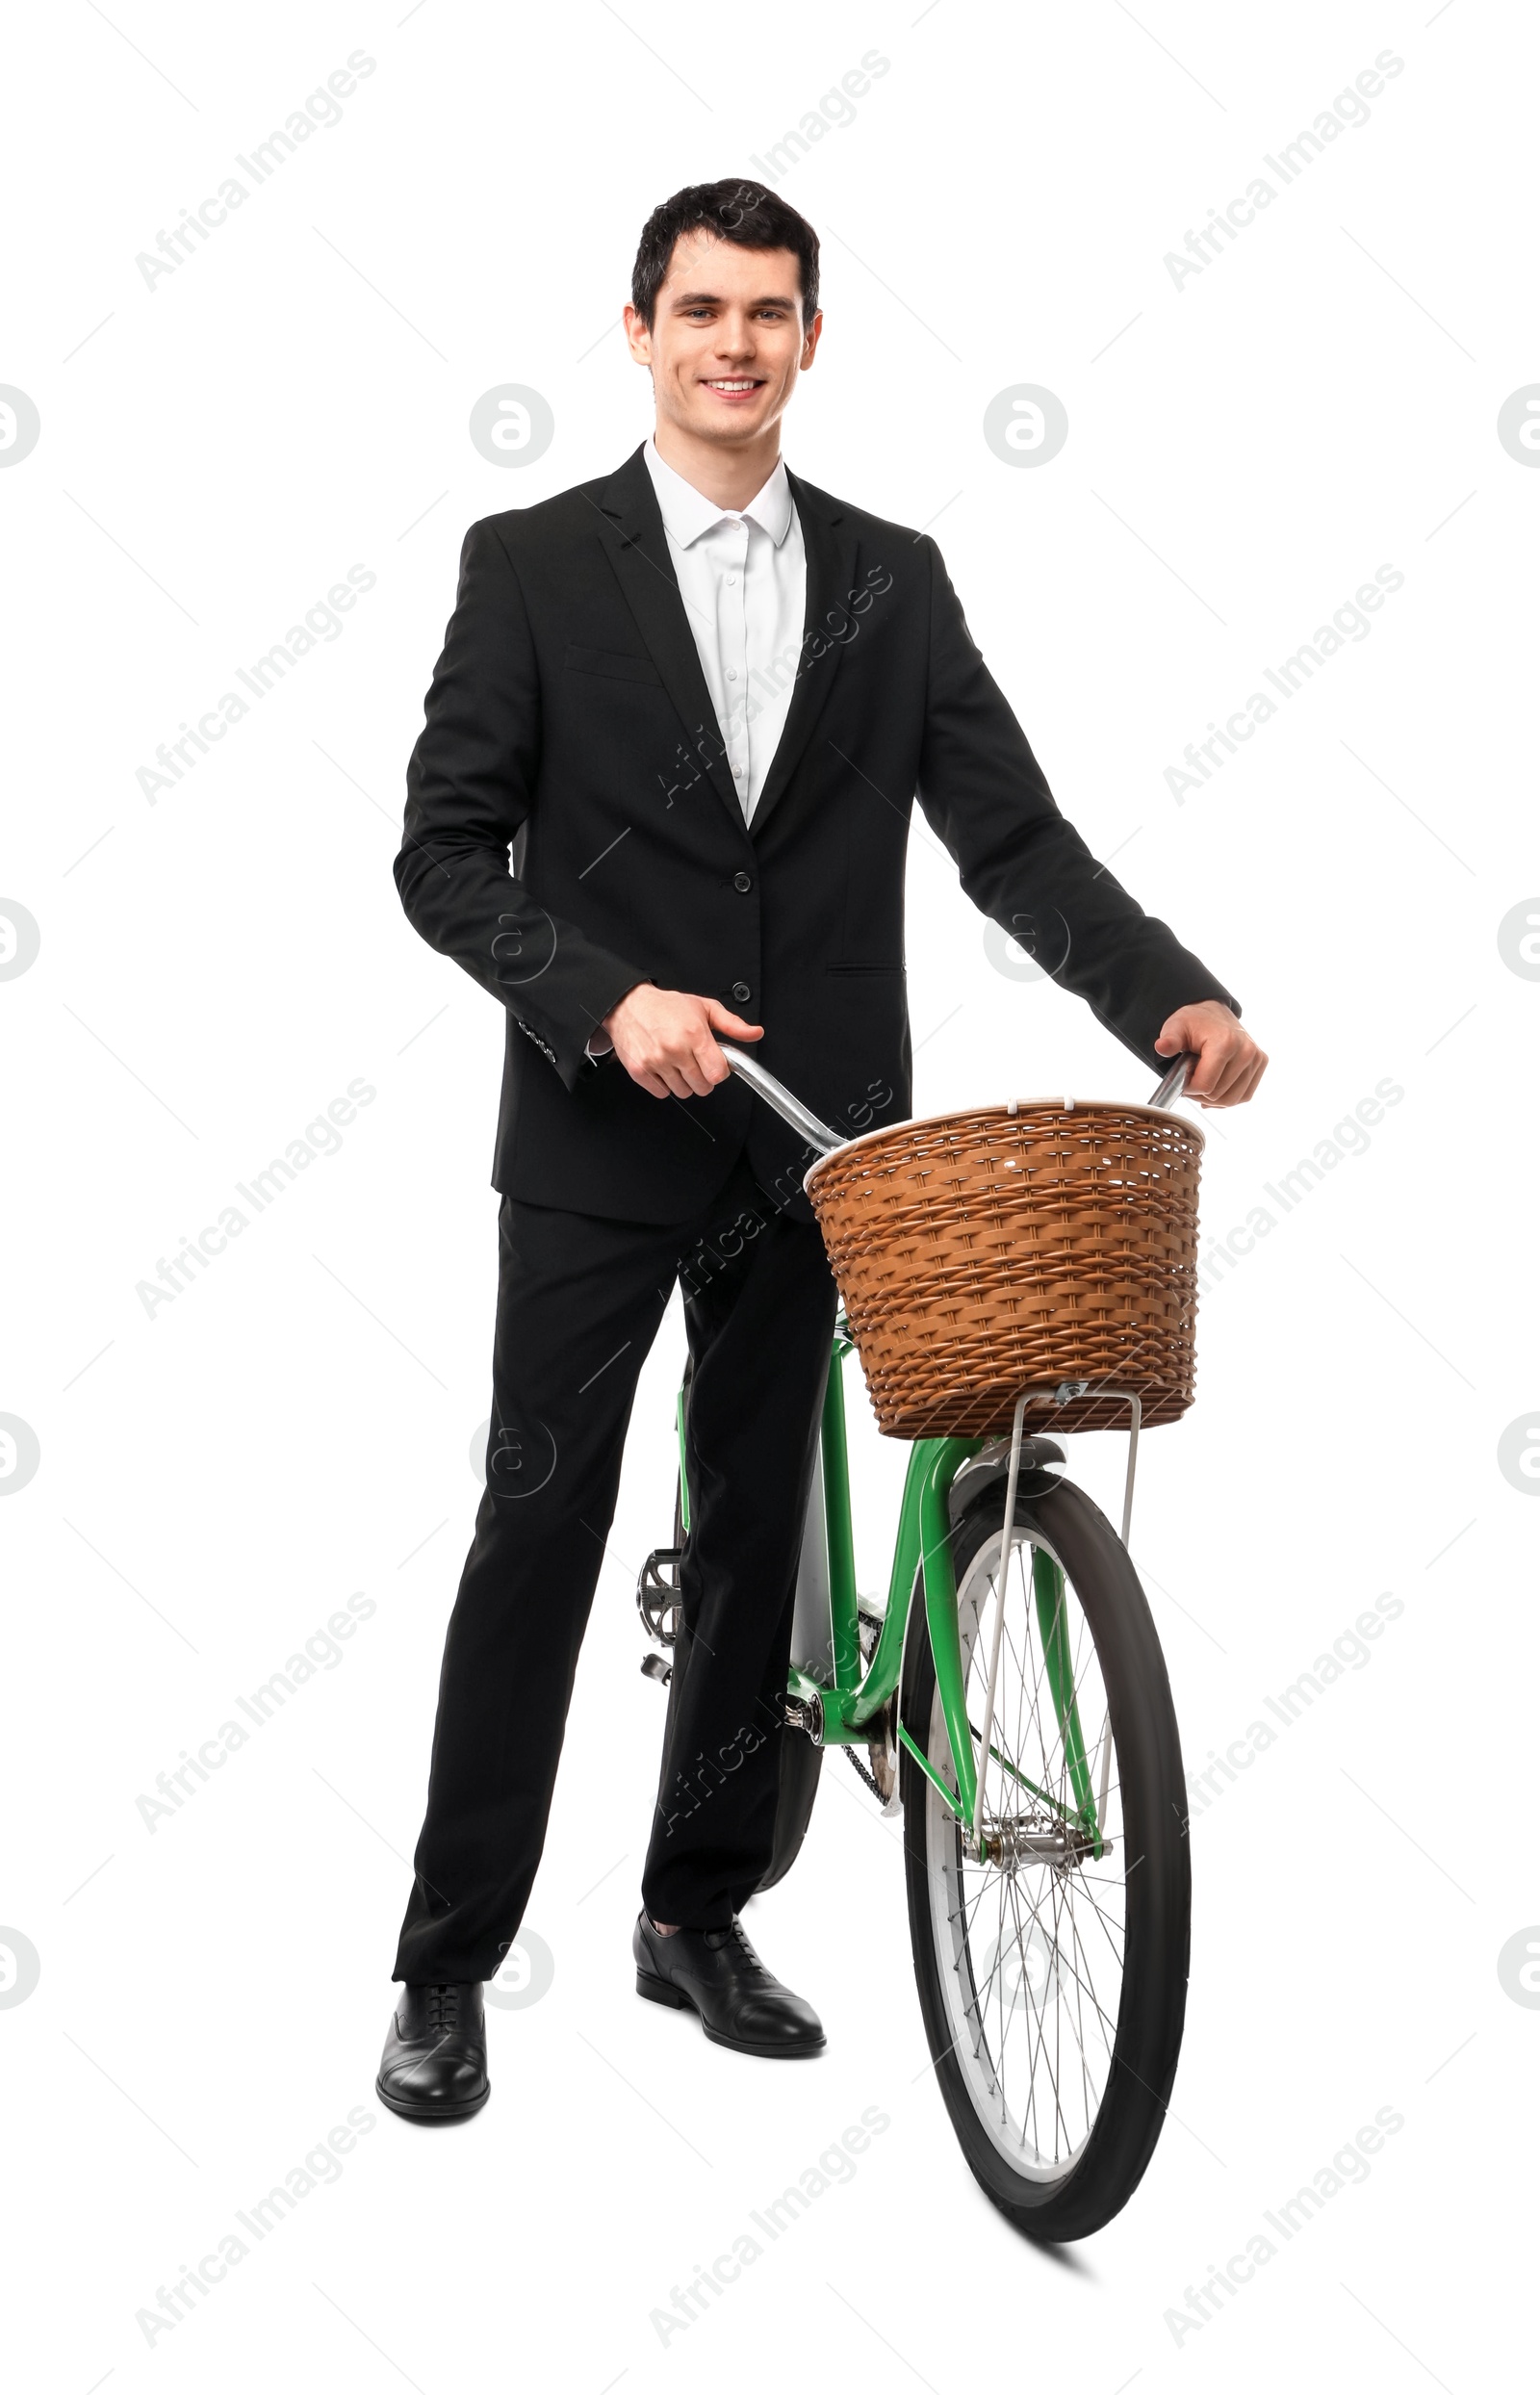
(818, 1135)
(1174, 1084)
(790, 1109)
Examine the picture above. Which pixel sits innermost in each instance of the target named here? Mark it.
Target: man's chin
(735, 436)
(728, 426)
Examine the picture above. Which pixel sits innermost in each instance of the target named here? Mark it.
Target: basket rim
(1059, 1105)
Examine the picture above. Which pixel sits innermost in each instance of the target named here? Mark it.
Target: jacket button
(742, 880)
(740, 991)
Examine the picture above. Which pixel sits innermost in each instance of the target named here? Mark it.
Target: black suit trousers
(579, 1300)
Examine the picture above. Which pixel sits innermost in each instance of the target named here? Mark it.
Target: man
(697, 699)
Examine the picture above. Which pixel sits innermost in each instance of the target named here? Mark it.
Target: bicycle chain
(855, 1759)
(871, 1625)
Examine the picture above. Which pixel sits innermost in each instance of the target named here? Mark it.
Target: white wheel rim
(1030, 1957)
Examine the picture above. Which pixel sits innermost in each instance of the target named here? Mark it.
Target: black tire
(1052, 2196)
(801, 1760)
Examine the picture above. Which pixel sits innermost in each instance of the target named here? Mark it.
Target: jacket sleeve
(984, 796)
(469, 788)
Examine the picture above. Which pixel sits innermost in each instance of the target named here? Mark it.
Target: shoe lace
(443, 2008)
(737, 1936)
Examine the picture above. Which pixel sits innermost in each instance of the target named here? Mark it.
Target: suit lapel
(831, 546)
(637, 547)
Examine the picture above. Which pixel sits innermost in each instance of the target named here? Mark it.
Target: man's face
(727, 343)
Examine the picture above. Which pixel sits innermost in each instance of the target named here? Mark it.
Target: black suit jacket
(569, 721)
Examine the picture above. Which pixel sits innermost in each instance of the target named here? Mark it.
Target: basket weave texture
(980, 1252)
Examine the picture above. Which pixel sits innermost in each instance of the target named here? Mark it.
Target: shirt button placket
(738, 671)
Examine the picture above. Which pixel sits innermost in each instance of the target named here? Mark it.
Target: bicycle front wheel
(1052, 1966)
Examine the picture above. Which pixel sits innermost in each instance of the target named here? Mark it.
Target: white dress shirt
(743, 577)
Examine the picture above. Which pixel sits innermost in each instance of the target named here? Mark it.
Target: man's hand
(668, 1040)
(1229, 1062)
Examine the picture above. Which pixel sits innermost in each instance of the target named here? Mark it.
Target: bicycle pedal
(657, 1593)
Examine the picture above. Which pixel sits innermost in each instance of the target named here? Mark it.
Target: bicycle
(1047, 1874)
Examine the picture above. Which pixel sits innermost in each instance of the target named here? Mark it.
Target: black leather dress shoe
(434, 2067)
(717, 1974)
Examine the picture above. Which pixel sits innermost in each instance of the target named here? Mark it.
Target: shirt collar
(687, 512)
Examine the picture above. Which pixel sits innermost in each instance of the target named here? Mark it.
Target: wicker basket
(981, 1253)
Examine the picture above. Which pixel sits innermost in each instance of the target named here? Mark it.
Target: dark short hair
(736, 210)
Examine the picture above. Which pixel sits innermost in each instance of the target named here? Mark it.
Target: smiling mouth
(734, 386)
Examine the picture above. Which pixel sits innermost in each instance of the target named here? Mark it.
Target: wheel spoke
(1026, 1944)
(1035, 2026)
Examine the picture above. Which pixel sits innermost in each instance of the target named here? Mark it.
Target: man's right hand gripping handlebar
(668, 1040)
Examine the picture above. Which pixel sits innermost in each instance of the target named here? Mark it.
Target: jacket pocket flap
(619, 664)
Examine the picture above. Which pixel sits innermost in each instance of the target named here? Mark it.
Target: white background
(1243, 451)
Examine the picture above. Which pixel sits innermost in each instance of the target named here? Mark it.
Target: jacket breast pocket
(619, 664)
(867, 972)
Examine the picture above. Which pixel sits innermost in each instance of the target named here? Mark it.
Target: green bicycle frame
(850, 1707)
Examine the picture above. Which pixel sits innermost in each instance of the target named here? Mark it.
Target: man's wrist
(601, 1042)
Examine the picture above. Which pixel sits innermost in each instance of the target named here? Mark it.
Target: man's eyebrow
(713, 299)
